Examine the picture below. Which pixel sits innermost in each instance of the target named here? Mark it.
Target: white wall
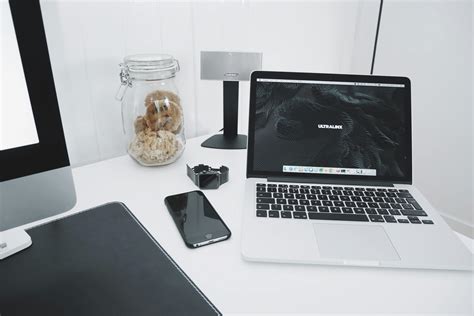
(431, 43)
(88, 39)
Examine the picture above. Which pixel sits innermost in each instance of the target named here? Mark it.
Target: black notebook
(98, 262)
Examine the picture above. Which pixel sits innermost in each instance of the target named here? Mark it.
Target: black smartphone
(196, 219)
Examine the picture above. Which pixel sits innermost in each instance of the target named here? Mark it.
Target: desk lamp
(229, 67)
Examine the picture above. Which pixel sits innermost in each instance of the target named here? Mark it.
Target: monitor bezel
(252, 173)
(51, 151)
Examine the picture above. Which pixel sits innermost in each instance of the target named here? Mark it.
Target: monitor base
(221, 141)
(13, 241)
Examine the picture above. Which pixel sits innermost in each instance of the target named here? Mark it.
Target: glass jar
(152, 115)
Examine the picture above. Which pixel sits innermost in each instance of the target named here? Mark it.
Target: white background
(16, 117)
(428, 41)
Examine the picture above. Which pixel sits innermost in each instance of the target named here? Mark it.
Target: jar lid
(150, 63)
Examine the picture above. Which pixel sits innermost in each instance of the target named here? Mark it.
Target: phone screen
(196, 219)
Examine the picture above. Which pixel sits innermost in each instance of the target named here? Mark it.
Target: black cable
(376, 37)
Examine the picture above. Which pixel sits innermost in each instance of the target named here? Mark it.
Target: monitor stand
(229, 139)
(13, 241)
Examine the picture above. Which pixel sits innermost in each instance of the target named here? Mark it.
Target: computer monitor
(35, 175)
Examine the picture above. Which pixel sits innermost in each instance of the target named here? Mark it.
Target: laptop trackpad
(354, 242)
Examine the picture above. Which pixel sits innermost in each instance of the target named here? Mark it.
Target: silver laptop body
(329, 176)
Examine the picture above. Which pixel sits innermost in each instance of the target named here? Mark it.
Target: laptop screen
(331, 126)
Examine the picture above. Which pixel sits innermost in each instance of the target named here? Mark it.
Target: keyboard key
(359, 210)
(300, 215)
(327, 187)
(367, 199)
(294, 186)
(360, 189)
(311, 208)
(400, 201)
(326, 192)
(392, 190)
(371, 211)
(407, 206)
(292, 202)
(322, 197)
(373, 205)
(356, 198)
(263, 206)
(288, 207)
(338, 217)
(327, 203)
(394, 212)
(348, 193)
(323, 209)
(390, 219)
(413, 213)
(265, 200)
(276, 207)
(335, 209)
(261, 185)
(311, 196)
(304, 202)
(285, 214)
(271, 185)
(359, 193)
(304, 186)
(370, 189)
(261, 189)
(397, 206)
(273, 214)
(414, 220)
(347, 210)
(349, 188)
(316, 187)
(289, 196)
(261, 213)
(293, 190)
(281, 201)
(382, 211)
(338, 203)
(350, 204)
(316, 202)
(262, 194)
(277, 195)
(369, 194)
(300, 196)
(384, 205)
(271, 189)
(376, 218)
(304, 191)
(300, 208)
(391, 194)
(382, 190)
(380, 194)
(378, 199)
(361, 204)
(283, 185)
(333, 198)
(344, 198)
(427, 221)
(403, 221)
(404, 195)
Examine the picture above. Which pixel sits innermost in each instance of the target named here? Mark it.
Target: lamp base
(221, 141)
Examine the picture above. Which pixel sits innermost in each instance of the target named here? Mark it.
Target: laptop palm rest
(354, 243)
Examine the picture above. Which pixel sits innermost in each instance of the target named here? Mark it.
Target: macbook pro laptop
(329, 176)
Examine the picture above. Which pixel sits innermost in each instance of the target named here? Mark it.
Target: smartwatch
(206, 177)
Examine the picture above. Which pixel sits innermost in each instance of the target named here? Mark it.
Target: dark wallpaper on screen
(372, 134)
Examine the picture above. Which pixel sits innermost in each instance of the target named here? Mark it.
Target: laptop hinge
(330, 181)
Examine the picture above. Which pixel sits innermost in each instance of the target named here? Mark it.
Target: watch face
(208, 181)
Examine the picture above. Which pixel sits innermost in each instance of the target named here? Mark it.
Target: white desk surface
(236, 286)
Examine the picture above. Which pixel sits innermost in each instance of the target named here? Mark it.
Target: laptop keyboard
(338, 203)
